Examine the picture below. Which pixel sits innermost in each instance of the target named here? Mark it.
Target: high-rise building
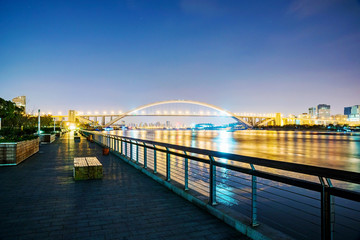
(313, 112)
(20, 101)
(323, 111)
(355, 109)
(347, 111)
(354, 114)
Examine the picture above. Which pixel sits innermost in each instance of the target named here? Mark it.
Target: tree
(11, 115)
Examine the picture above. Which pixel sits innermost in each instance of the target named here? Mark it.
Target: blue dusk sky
(245, 56)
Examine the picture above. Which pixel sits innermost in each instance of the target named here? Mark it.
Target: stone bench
(87, 168)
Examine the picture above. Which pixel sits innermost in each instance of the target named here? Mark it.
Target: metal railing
(296, 199)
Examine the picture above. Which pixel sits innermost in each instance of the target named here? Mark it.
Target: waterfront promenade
(40, 200)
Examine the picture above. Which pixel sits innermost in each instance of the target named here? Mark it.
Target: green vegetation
(15, 136)
(17, 126)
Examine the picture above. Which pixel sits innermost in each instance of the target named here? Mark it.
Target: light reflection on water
(334, 151)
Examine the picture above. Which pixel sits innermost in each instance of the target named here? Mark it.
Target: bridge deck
(40, 200)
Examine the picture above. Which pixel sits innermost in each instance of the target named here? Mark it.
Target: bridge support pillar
(103, 120)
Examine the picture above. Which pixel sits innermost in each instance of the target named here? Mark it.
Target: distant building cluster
(320, 111)
(352, 113)
(20, 102)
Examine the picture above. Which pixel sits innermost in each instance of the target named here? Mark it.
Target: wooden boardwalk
(40, 200)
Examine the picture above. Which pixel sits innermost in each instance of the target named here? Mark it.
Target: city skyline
(312, 111)
(245, 57)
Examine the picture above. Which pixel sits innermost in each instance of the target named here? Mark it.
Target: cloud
(307, 8)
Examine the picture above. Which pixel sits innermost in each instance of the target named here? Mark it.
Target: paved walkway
(40, 200)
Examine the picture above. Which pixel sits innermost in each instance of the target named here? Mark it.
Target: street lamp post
(54, 124)
(39, 122)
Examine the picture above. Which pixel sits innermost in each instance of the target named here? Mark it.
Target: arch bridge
(245, 119)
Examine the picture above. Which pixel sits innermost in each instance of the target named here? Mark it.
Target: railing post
(121, 146)
(145, 157)
(212, 184)
(167, 165)
(125, 147)
(131, 150)
(155, 159)
(254, 222)
(186, 176)
(327, 210)
(137, 152)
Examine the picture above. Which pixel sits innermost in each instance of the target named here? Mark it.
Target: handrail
(335, 174)
(279, 178)
(324, 186)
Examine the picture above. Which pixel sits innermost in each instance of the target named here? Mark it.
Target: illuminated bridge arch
(228, 113)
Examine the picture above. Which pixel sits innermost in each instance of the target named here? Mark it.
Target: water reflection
(334, 151)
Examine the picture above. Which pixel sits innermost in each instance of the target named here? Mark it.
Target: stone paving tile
(40, 200)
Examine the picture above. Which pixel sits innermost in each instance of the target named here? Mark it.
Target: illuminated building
(312, 112)
(354, 114)
(20, 101)
(323, 111)
(339, 118)
(71, 116)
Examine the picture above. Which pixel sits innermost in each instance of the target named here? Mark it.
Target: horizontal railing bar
(289, 191)
(243, 205)
(298, 217)
(347, 217)
(346, 226)
(236, 176)
(287, 198)
(228, 181)
(272, 200)
(348, 208)
(223, 191)
(341, 175)
(283, 179)
(346, 194)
